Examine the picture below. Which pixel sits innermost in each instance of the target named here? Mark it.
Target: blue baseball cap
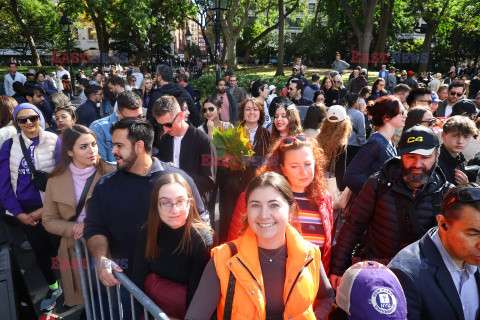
(435, 98)
(369, 290)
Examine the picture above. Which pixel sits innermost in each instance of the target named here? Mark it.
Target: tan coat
(58, 208)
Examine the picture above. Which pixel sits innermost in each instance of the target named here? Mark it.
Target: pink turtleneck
(80, 177)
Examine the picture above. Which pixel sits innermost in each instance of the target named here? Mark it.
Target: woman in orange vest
(301, 161)
(270, 272)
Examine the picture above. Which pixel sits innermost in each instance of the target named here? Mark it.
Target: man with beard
(36, 96)
(456, 90)
(396, 205)
(229, 110)
(120, 201)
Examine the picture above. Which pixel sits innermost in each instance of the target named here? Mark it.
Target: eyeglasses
(210, 109)
(458, 94)
(337, 81)
(426, 101)
(430, 122)
(168, 206)
(401, 113)
(290, 140)
(465, 196)
(23, 120)
(170, 124)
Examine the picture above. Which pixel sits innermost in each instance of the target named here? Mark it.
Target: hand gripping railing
(94, 301)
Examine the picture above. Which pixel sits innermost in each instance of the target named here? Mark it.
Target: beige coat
(58, 208)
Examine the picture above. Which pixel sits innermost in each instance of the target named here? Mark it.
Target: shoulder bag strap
(26, 155)
(227, 311)
(81, 201)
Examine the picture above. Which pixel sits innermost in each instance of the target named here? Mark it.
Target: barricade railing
(94, 305)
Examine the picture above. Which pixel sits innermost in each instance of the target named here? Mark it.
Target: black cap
(464, 107)
(418, 140)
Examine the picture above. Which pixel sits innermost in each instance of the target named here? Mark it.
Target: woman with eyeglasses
(378, 89)
(387, 114)
(211, 112)
(65, 117)
(301, 161)
(173, 247)
(331, 93)
(69, 186)
(277, 273)
(420, 115)
(286, 119)
(338, 84)
(22, 189)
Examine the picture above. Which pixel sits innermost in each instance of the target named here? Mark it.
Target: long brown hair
(281, 185)
(154, 223)
(68, 141)
(294, 126)
(7, 104)
(333, 138)
(318, 186)
(241, 115)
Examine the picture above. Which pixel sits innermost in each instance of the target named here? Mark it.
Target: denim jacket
(101, 127)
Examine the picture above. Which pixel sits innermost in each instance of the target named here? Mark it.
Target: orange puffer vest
(301, 281)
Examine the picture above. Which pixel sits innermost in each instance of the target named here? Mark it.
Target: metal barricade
(94, 300)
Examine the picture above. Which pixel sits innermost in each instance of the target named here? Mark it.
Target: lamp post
(220, 5)
(188, 37)
(65, 22)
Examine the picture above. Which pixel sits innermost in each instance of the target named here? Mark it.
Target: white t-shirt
(61, 73)
(448, 111)
(177, 143)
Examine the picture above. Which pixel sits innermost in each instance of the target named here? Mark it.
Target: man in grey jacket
(339, 65)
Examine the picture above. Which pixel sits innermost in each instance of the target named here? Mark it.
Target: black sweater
(184, 267)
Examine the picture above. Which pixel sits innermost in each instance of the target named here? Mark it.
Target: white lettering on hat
(383, 300)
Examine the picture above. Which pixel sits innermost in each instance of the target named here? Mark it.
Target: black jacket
(358, 83)
(173, 89)
(428, 286)
(87, 113)
(197, 158)
(380, 218)
(448, 164)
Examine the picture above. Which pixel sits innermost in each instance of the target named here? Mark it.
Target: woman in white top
(7, 128)
(211, 111)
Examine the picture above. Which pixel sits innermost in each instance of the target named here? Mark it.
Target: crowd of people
(356, 201)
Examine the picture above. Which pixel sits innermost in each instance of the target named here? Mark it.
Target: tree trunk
(103, 36)
(386, 10)
(265, 32)
(426, 47)
(26, 33)
(364, 35)
(281, 38)
(207, 43)
(314, 28)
